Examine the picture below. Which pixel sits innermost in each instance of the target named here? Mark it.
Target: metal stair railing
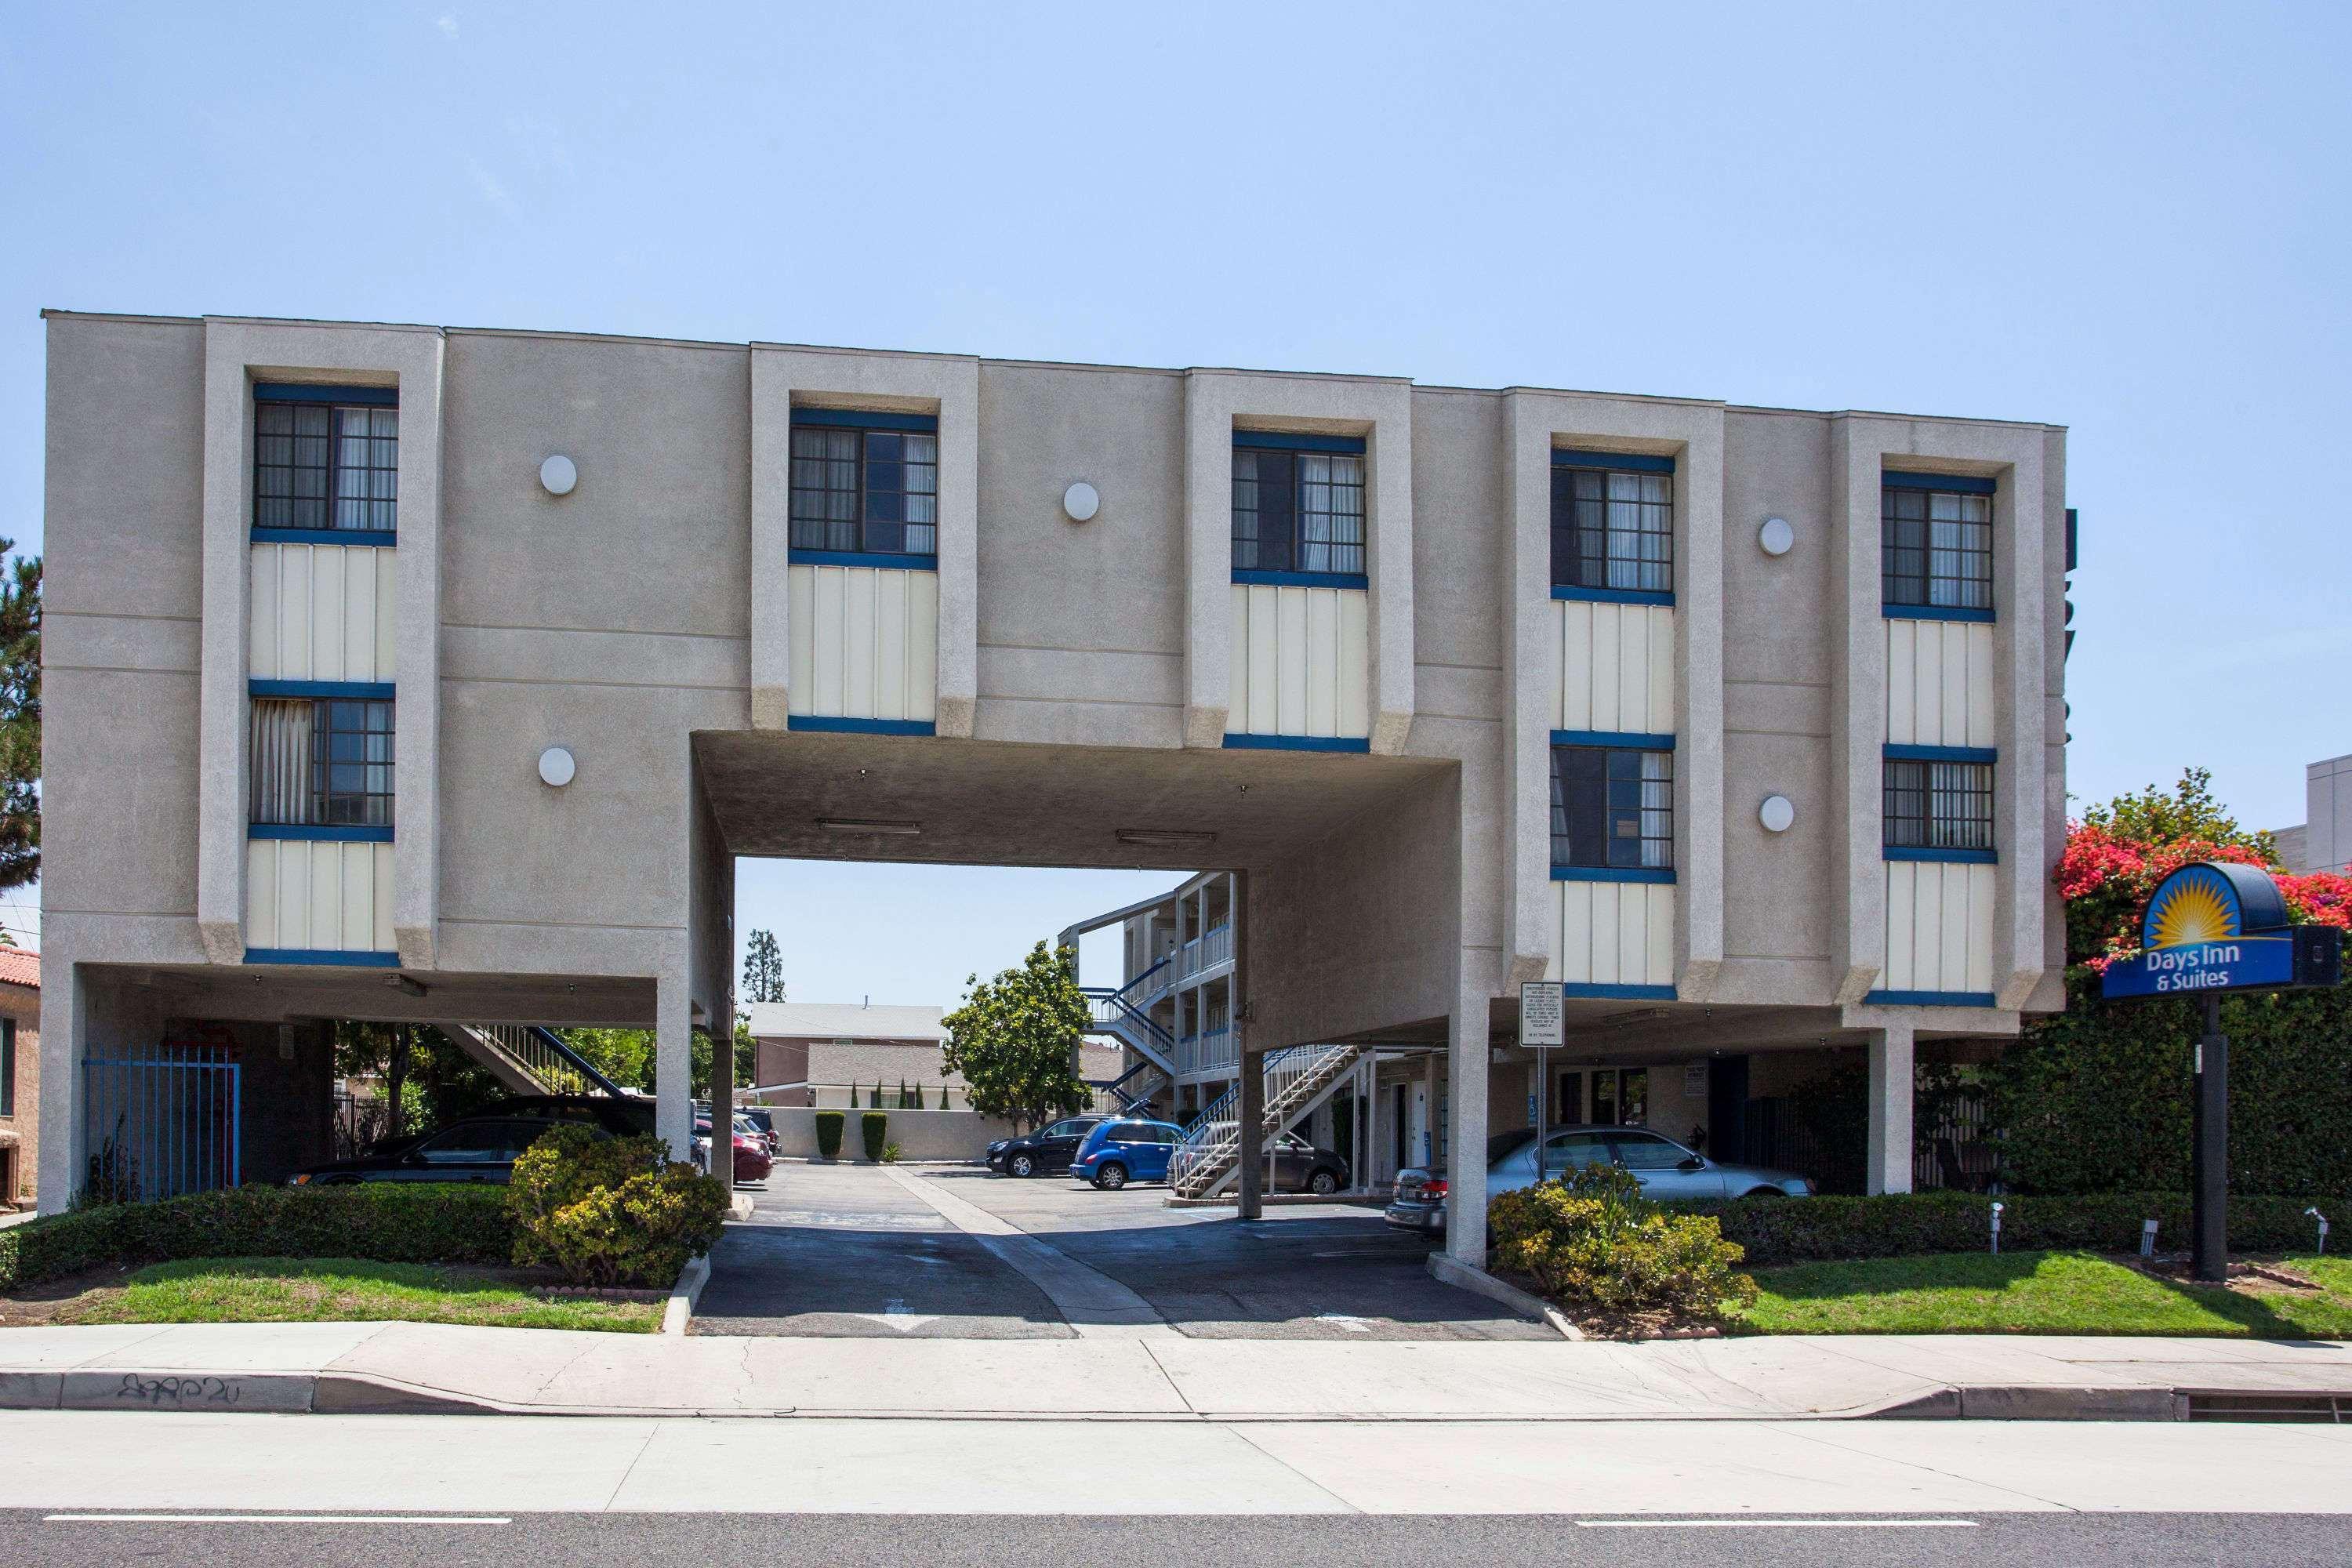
(1114, 1014)
(531, 1060)
(1297, 1080)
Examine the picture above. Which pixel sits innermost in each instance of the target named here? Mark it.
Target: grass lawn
(344, 1290)
(2035, 1293)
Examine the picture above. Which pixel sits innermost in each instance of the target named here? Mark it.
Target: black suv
(1045, 1151)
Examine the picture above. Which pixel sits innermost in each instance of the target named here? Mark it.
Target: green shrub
(640, 1232)
(1820, 1229)
(1591, 1240)
(611, 1211)
(870, 1127)
(889, 1153)
(829, 1134)
(382, 1222)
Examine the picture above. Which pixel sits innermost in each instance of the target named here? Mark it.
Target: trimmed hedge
(829, 1134)
(1828, 1228)
(384, 1222)
(871, 1126)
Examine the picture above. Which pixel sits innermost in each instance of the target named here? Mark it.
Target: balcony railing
(1210, 1050)
(1210, 948)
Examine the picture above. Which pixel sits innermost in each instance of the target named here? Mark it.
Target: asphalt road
(846, 1250)
(31, 1540)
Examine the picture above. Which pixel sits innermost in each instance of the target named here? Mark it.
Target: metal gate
(160, 1122)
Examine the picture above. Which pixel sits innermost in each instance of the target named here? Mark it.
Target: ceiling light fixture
(848, 825)
(1164, 839)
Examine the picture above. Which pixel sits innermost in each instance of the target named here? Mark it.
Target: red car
(752, 1160)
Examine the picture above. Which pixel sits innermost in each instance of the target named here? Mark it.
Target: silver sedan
(1665, 1169)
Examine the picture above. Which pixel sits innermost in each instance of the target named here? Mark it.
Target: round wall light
(1081, 501)
(559, 474)
(1775, 814)
(1776, 536)
(556, 767)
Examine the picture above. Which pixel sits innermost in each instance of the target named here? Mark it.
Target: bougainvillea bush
(2097, 1098)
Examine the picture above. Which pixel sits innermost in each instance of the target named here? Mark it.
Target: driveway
(956, 1252)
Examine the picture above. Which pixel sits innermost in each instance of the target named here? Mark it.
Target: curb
(685, 1294)
(1451, 1271)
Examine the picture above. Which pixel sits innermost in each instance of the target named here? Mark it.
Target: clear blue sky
(2129, 220)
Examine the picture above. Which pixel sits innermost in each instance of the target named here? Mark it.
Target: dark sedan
(1043, 1151)
(477, 1149)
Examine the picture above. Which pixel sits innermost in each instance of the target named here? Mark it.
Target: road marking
(273, 1518)
(1777, 1523)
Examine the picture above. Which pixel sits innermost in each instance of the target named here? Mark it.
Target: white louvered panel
(1614, 668)
(1301, 662)
(321, 612)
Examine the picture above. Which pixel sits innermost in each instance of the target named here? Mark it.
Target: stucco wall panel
(864, 642)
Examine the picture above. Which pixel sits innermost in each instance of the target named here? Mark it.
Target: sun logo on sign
(2193, 908)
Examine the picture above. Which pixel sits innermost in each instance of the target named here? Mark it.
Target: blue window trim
(1296, 441)
(1930, 999)
(1958, 484)
(1251, 576)
(867, 419)
(322, 955)
(349, 690)
(1615, 739)
(1613, 596)
(1628, 462)
(319, 833)
(1618, 993)
(1955, 856)
(1612, 873)
(285, 391)
(828, 724)
(886, 558)
(1940, 754)
(1297, 743)
(1934, 613)
(362, 536)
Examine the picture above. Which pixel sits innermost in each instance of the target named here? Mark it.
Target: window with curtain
(322, 762)
(1612, 522)
(1298, 512)
(871, 491)
(7, 1070)
(326, 465)
(1938, 806)
(1613, 808)
(1936, 543)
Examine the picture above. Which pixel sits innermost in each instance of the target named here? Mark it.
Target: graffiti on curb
(182, 1392)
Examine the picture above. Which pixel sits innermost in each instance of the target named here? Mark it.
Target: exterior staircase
(1297, 1080)
(530, 1059)
(1123, 1015)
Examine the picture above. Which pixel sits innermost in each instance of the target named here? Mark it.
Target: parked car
(1299, 1166)
(1128, 1150)
(622, 1118)
(1043, 1151)
(762, 1121)
(475, 1149)
(1665, 1169)
(752, 1161)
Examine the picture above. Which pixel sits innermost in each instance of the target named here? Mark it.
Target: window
(1298, 510)
(870, 487)
(480, 1143)
(1621, 1096)
(322, 762)
(1938, 804)
(1935, 537)
(7, 1073)
(326, 459)
(1612, 522)
(1574, 1151)
(1613, 808)
(1648, 1151)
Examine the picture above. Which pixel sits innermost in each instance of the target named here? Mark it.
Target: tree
(1014, 1041)
(624, 1056)
(20, 719)
(747, 1059)
(763, 969)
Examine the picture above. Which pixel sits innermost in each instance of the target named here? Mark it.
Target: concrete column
(1251, 1118)
(65, 1026)
(1891, 1057)
(674, 1063)
(722, 1101)
(1465, 1129)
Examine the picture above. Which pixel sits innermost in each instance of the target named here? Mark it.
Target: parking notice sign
(1540, 1014)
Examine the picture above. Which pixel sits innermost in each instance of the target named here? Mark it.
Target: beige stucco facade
(1081, 686)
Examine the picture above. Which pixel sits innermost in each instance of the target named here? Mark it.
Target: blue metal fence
(161, 1122)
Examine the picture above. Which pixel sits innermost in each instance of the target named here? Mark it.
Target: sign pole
(2211, 1220)
(1541, 1024)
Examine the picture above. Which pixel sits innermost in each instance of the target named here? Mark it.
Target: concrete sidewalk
(417, 1367)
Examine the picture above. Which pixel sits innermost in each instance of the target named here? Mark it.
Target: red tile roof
(18, 967)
